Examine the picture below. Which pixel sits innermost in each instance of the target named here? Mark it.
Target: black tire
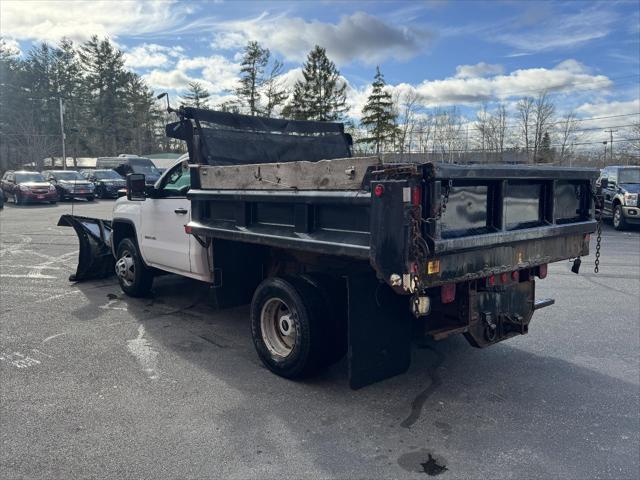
(618, 220)
(17, 199)
(305, 312)
(90, 199)
(134, 277)
(53, 202)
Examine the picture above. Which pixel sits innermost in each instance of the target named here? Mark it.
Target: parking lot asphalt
(94, 384)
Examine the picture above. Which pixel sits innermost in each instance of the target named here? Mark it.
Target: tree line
(107, 109)
(110, 110)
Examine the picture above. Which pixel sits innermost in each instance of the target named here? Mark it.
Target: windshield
(107, 175)
(144, 166)
(68, 176)
(629, 175)
(29, 177)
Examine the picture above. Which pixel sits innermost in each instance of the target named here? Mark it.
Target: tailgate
(481, 220)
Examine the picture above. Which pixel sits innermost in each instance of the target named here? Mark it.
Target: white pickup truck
(150, 233)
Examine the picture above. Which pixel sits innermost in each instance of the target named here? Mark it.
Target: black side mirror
(136, 187)
(604, 183)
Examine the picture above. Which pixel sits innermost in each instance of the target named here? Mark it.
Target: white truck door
(164, 241)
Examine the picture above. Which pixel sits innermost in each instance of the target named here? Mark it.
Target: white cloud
(556, 31)
(567, 76)
(11, 45)
(151, 55)
(51, 20)
(481, 69)
(216, 73)
(604, 109)
(359, 36)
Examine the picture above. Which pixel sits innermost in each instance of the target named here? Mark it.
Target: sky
(462, 53)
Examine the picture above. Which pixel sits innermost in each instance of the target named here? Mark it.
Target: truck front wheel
(286, 316)
(134, 277)
(619, 222)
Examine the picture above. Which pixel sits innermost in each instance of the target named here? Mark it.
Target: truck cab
(620, 189)
(154, 226)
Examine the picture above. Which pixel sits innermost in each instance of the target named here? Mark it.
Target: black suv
(620, 187)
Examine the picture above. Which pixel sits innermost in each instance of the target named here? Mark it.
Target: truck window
(178, 181)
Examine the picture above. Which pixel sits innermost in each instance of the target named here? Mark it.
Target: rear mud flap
(380, 331)
(95, 259)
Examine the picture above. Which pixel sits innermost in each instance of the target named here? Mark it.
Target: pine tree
(196, 96)
(254, 61)
(275, 94)
(378, 114)
(321, 94)
(545, 152)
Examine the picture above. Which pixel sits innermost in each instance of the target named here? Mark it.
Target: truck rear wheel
(134, 277)
(286, 316)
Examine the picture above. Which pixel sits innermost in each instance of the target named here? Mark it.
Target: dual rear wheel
(297, 324)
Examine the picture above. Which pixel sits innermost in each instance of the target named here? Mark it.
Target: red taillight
(378, 190)
(416, 196)
(187, 229)
(491, 281)
(587, 237)
(542, 271)
(448, 293)
(515, 276)
(504, 278)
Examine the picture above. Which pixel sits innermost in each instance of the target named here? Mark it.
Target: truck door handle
(181, 211)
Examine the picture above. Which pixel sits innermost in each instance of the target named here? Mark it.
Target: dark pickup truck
(350, 255)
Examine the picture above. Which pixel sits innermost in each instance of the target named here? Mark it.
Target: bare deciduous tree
(566, 131)
(543, 113)
(525, 107)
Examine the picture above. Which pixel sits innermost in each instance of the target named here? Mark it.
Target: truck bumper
(631, 215)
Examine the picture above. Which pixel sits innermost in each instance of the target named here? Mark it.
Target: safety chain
(443, 203)
(419, 248)
(599, 206)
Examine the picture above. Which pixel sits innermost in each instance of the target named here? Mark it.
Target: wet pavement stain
(432, 467)
(415, 462)
(421, 398)
(112, 296)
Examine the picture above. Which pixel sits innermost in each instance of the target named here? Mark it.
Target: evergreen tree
(254, 61)
(105, 81)
(275, 93)
(196, 96)
(321, 94)
(545, 152)
(378, 114)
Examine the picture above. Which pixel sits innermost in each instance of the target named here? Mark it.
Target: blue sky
(459, 53)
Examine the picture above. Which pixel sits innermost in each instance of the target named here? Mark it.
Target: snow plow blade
(95, 259)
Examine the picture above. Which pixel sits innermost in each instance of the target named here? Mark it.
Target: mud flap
(380, 331)
(95, 259)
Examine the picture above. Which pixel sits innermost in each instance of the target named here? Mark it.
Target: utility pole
(610, 132)
(64, 153)
(604, 155)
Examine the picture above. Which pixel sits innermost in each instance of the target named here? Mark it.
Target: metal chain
(598, 202)
(419, 247)
(596, 267)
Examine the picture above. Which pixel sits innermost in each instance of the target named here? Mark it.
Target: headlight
(631, 199)
(52, 188)
(24, 188)
(91, 186)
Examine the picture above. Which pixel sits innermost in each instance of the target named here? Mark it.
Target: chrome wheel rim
(126, 268)
(616, 217)
(279, 327)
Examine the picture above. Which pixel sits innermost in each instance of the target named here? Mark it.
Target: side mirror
(604, 183)
(136, 187)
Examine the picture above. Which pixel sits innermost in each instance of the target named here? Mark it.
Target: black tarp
(233, 139)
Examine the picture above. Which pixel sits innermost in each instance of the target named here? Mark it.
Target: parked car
(106, 182)
(26, 187)
(70, 184)
(125, 164)
(620, 188)
(1, 200)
